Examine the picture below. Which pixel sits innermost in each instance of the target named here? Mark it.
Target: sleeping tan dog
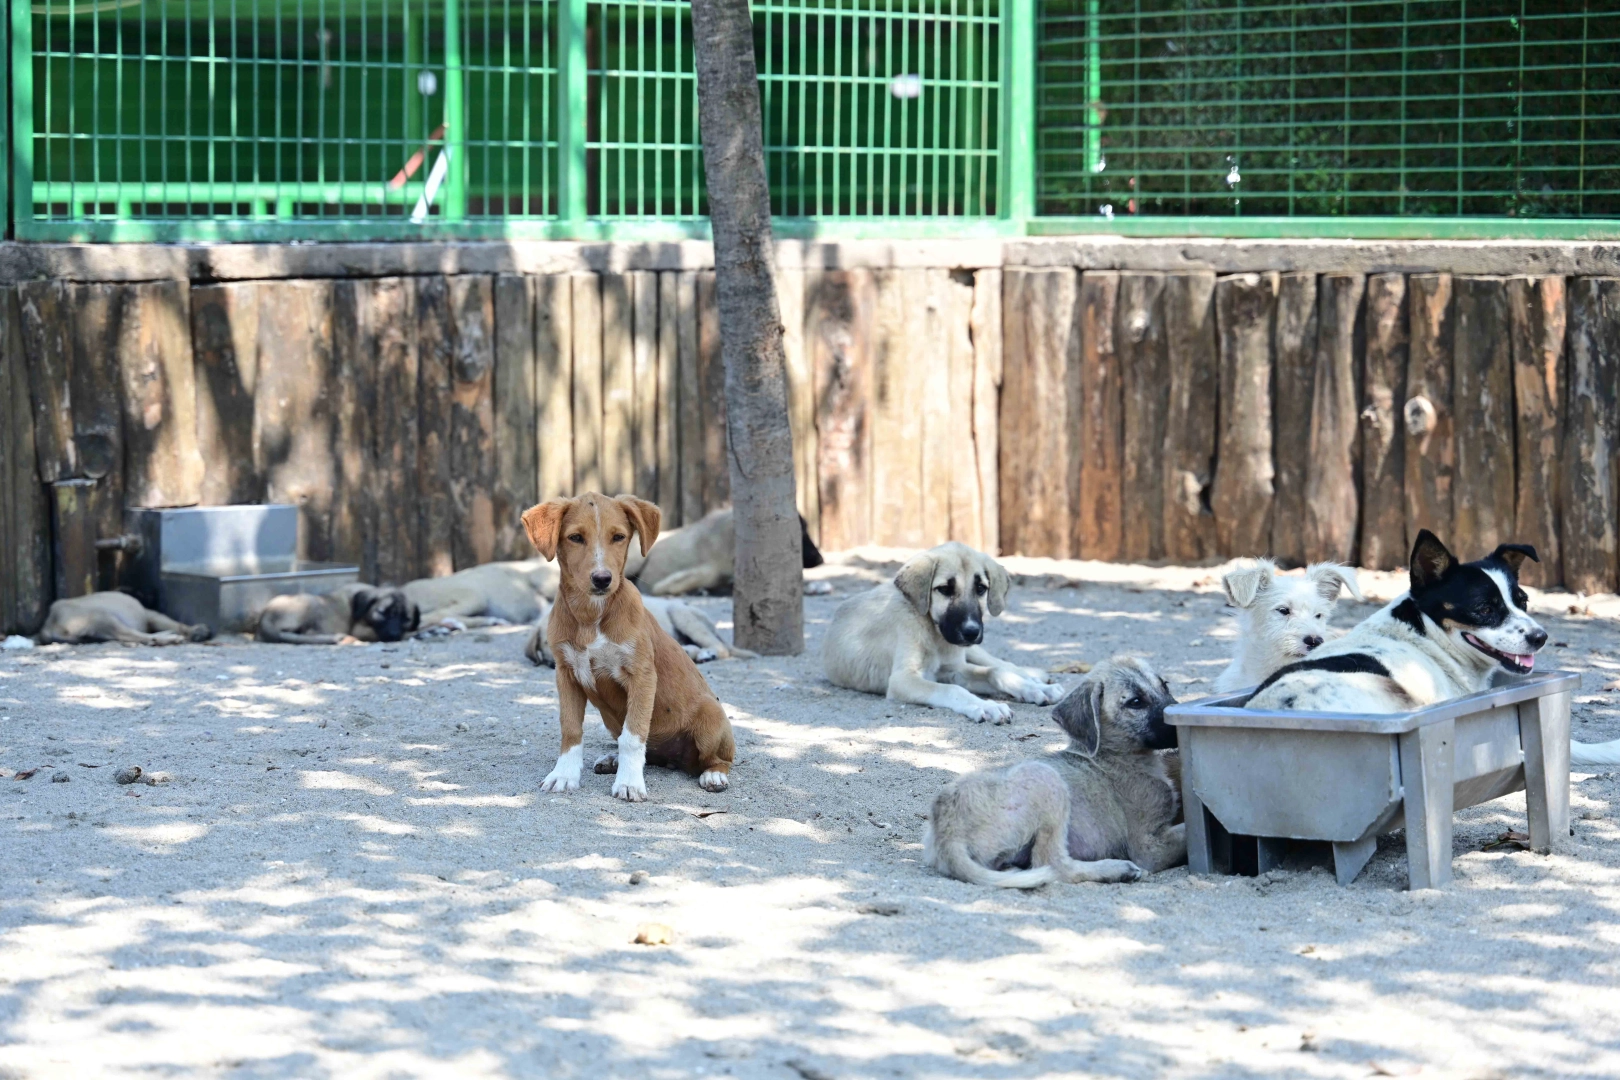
(115, 616)
(493, 594)
(612, 653)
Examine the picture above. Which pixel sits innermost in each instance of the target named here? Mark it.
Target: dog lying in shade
(700, 556)
(114, 616)
(690, 628)
(1104, 809)
(353, 613)
(494, 594)
(1281, 618)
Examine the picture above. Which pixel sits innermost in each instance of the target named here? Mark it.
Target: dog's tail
(952, 859)
(1603, 753)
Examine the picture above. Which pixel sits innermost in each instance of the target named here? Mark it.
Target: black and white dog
(1444, 638)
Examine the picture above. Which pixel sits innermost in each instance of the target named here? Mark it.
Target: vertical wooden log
(1241, 497)
(1189, 445)
(554, 421)
(897, 505)
(472, 419)
(517, 462)
(97, 316)
(1332, 474)
(1482, 375)
(837, 315)
(1590, 435)
(689, 381)
(225, 344)
(618, 385)
(987, 372)
(644, 350)
(1040, 311)
(293, 416)
(669, 401)
(355, 508)
(388, 308)
(1101, 423)
(801, 396)
(73, 537)
(435, 504)
(712, 391)
(161, 464)
(952, 448)
(1431, 442)
(1140, 341)
(927, 359)
(48, 346)
(25, 551)
(1536, 306)
(1294, 342)
(1383, 450)
(587, 380)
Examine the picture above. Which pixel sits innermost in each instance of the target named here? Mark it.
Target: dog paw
(1041, 693)
(1119, 870)
(714, 781)
(452, 624)
(607, 763)
(995, 712)
(629, 791)
(703, 656)
(496, 620)
(560, 782)
(169, 637)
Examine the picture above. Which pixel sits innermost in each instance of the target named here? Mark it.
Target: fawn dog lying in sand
(352, 613)
(612, 653)
(1078, 815)
(115, 616)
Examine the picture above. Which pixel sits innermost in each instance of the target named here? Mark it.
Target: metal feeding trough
(1253, 779)
(220, 565)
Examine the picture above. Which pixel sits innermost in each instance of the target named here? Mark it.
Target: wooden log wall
(1111, 415)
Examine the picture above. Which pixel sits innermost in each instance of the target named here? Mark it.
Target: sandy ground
(349, 873)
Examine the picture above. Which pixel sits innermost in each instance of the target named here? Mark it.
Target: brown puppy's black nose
(601, 579)
(1312, 641)
(1537, 638)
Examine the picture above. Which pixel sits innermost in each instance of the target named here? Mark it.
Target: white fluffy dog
(1280, 618)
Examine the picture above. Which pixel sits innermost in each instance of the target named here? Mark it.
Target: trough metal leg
(1426, 776)
(1544, 734)
(1268, 853)
(1349, 857)
(1200, 855)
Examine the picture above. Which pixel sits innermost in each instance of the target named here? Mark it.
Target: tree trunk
(768, 591)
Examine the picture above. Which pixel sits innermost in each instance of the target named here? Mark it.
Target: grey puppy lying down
(690, 628)
(114, 616)
(1103, 809)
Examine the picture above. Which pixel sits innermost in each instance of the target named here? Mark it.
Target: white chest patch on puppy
(602, 656)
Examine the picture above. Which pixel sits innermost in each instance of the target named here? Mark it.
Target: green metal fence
(1470, 115)
(326, 119)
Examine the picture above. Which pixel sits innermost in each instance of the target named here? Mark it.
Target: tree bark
(1383, 447)
(1295, 379)
(768, 591)
(1539, 324)
(1333, 470)
(1246, 309)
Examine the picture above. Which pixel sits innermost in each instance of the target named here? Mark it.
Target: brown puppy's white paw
(714, 780)
(629, 792)
(607, 763)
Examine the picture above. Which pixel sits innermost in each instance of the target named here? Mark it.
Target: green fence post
(571, 117)
(20, 137)
(455, 115)
(1018, 111)
(1094, 157)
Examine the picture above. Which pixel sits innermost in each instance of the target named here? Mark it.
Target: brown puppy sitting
(611, 652)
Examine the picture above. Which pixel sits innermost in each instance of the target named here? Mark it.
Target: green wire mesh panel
(1223, 107)
(872, 108)
(285, 111)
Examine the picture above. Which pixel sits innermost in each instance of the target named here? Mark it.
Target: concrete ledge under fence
(1142, 411)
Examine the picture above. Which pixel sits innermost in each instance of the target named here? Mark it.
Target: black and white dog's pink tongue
(1527, 661)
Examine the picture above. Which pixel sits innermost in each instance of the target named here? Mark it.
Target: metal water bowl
(1253, 779)
(220, 565)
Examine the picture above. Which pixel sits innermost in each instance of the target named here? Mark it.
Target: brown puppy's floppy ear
(1080, 714)
(999, 583)
(1431, 560)
(916, 581)
(644, 518)
(543, 523)
(1514, 555)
